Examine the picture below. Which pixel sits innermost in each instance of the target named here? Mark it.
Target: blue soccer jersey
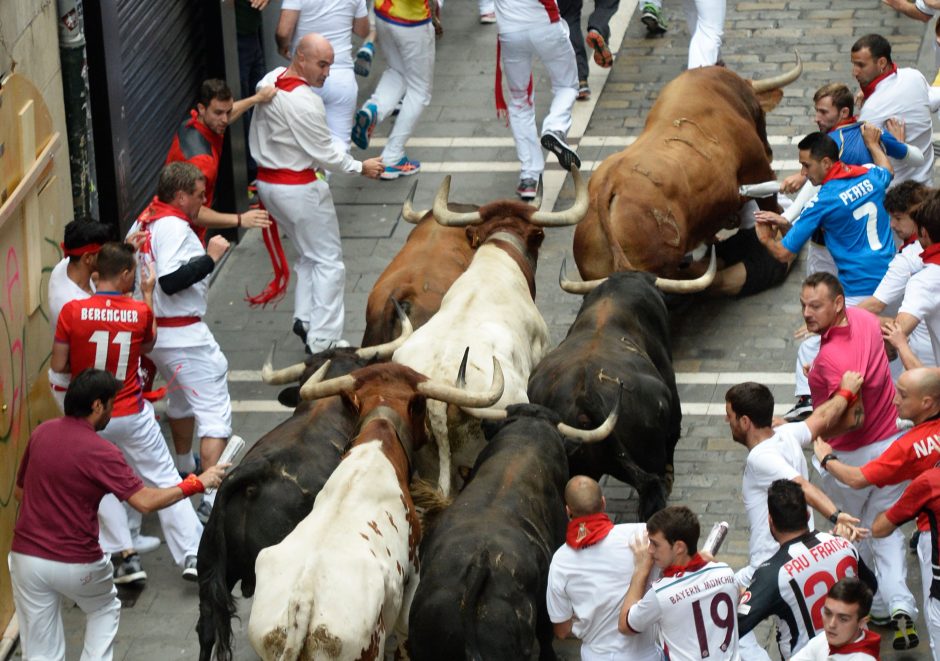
(858, 234)
(852, 149)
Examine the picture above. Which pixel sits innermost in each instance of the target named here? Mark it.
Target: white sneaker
(318, 344)
(145, 543)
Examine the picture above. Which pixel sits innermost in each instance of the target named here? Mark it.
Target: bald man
(917, 397)
(590, 574)
(291, 142)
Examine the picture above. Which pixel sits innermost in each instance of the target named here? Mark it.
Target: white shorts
(198, 387)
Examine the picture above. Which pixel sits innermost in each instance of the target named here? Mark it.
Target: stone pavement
(715, 341)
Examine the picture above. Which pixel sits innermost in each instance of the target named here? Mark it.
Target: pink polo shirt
(857, 346)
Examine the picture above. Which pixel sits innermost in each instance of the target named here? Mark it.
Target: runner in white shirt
(891, 92)
(186, 354)
(336, 21)
(845, 637)
(899, 202)
(922, 295)
(693, 604)
(776, 453)
(589, 575)
(289, 140)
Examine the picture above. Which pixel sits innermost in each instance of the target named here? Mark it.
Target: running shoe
(488, 18)
(527, 188)
(366, 118)
(652, 18)
(801, 409)
(364, 55)
(584, 92)
(905, 635)
(128, 570)
(190, 573)
(554, 141)
(602, 55)
(403, 168)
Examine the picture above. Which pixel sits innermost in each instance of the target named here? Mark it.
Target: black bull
(266, 496)
(621, 334)
(484, 561)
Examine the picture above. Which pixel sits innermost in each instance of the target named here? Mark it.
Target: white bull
(490, 309)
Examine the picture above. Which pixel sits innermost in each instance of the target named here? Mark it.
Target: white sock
(185, 463)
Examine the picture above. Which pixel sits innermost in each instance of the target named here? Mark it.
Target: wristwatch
(834, 517)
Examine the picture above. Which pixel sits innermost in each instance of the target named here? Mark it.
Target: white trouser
(588, 654)
(886, 555)
(706, 21)
(198, 386)
(487, 7)
(552, 46)
(409, 56)
(809, 349)
(931, 606)
(38, 588)
(306, 214)
(339, 101)
(142, 443)
(819, 260)
(750, 649)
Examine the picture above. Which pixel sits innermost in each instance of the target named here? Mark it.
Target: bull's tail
(299, 614)
(474, 583)
(216, 603)
(428, 500)
(605, 197)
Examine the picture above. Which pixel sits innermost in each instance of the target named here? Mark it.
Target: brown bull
(420, 274)
(677, 185)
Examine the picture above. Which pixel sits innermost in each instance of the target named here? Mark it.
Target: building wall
(29, 237)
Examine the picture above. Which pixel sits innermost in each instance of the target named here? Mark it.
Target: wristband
(834, 517)
(191, 485)
(825, 460)
(850, 396)
(239, 220)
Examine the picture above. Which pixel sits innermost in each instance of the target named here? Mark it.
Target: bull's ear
(351, 402)
(770, 100)
(473, 236)
(289, 397)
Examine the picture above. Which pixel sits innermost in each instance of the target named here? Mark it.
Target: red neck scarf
(908, 241)
(157, 210)
(588, 530)
(869, 644)
(931, 255)
(840, 170)
(869, 89)
(289, 83)
(696, 563)
(845, 122)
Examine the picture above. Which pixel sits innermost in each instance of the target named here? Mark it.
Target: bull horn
(316, 388)
(385, 351)
(461, 397)
(407, 210)
(279, 377)
(573, 286)
(690, 286)
(597, 434)
(444, 215)
(782, 80)
(485, 414)
(571, 216)
(461, 381)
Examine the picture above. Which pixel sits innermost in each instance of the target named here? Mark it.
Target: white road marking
(551, 169)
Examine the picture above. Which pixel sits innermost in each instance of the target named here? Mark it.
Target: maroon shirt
(66, 471)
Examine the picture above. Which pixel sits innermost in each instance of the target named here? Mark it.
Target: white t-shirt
(696, 612)
(517, 15)
(817, 649)
(173, 243)
(62, 290)
(589, 585)
(333, 20)
(922, 300)
(291, 132)
(905, 95)
(891, 292)
(780, 457)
